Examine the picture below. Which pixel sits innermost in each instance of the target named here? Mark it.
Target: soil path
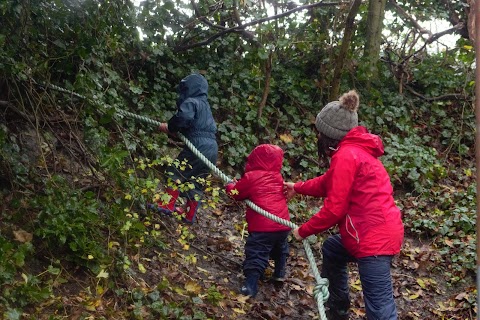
(209, 261)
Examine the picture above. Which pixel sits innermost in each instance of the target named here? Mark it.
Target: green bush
(413, 166)
(18, 287)
(70, 221)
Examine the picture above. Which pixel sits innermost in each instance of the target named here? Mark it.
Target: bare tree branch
(403, 13)
(435, 37)
(443, 97)
(249, 35)
(456, 20)
(460, 25)
(203, 19)
(347, 37)
(241, 27)
(236, 17)
(8, 105)
(266, 89)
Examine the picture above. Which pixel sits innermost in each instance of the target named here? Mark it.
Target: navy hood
(192, 86)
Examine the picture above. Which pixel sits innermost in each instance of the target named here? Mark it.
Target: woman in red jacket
(358, 197)
(262, 183)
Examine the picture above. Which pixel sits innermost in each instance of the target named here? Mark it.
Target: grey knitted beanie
(339, 117)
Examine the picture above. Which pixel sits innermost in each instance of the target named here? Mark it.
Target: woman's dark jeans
(374, 274)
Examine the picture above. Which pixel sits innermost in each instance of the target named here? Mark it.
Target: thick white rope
(320, 291)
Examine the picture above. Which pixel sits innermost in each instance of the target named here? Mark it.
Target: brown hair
(324, 147)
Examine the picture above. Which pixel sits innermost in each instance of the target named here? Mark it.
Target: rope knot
(321, 290)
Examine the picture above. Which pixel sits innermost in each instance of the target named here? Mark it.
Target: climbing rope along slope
(320, 291)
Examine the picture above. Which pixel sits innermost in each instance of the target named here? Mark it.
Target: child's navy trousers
(262, 246)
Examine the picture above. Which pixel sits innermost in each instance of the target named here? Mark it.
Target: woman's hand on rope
(288, 190)
(163, 127)
(297, 235)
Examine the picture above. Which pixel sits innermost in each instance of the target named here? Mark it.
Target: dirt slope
(213, 256)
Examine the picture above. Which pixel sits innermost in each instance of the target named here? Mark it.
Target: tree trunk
(376, 14)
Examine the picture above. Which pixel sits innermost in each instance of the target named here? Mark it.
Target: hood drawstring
(355, 236)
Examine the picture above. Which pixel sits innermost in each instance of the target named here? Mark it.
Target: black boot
(279, 271)
(334, 314)
(250, 287)
(337, 309)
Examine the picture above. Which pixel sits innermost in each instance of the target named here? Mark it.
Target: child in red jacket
(262, 183)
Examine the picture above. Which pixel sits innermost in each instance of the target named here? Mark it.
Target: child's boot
(250, 287)
(168, 207)
(279, 271)
(191, 211)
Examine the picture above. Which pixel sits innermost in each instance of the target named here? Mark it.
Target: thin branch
(266, 89)
(247, 34)
(435, 37)
(236, 16)
(431, 37)
(438, 35)
(203, 19)
(242, 27)
(9, 105)
(347, 37)
(221, 257)
(456, 20)
(403, 13)
(443, 97)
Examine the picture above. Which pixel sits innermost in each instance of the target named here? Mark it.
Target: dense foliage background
(73, 172)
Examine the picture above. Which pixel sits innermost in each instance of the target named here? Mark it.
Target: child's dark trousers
(260, 248)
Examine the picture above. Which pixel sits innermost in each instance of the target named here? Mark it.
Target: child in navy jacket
(193, 119)
(262, 183)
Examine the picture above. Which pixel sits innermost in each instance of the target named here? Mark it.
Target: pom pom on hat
(350, 100)
(339, 117)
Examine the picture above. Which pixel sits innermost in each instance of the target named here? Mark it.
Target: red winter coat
(262, 183)
(358, 197)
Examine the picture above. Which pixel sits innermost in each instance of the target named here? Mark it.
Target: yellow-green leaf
(421, 283)
(237, 310)
(113, 244)
(286, 138)
(102, 274)
(193, 286)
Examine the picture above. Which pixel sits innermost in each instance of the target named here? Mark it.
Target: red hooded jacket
(262, 183)
(358, 197)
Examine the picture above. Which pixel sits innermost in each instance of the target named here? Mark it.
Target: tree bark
(376, 14)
